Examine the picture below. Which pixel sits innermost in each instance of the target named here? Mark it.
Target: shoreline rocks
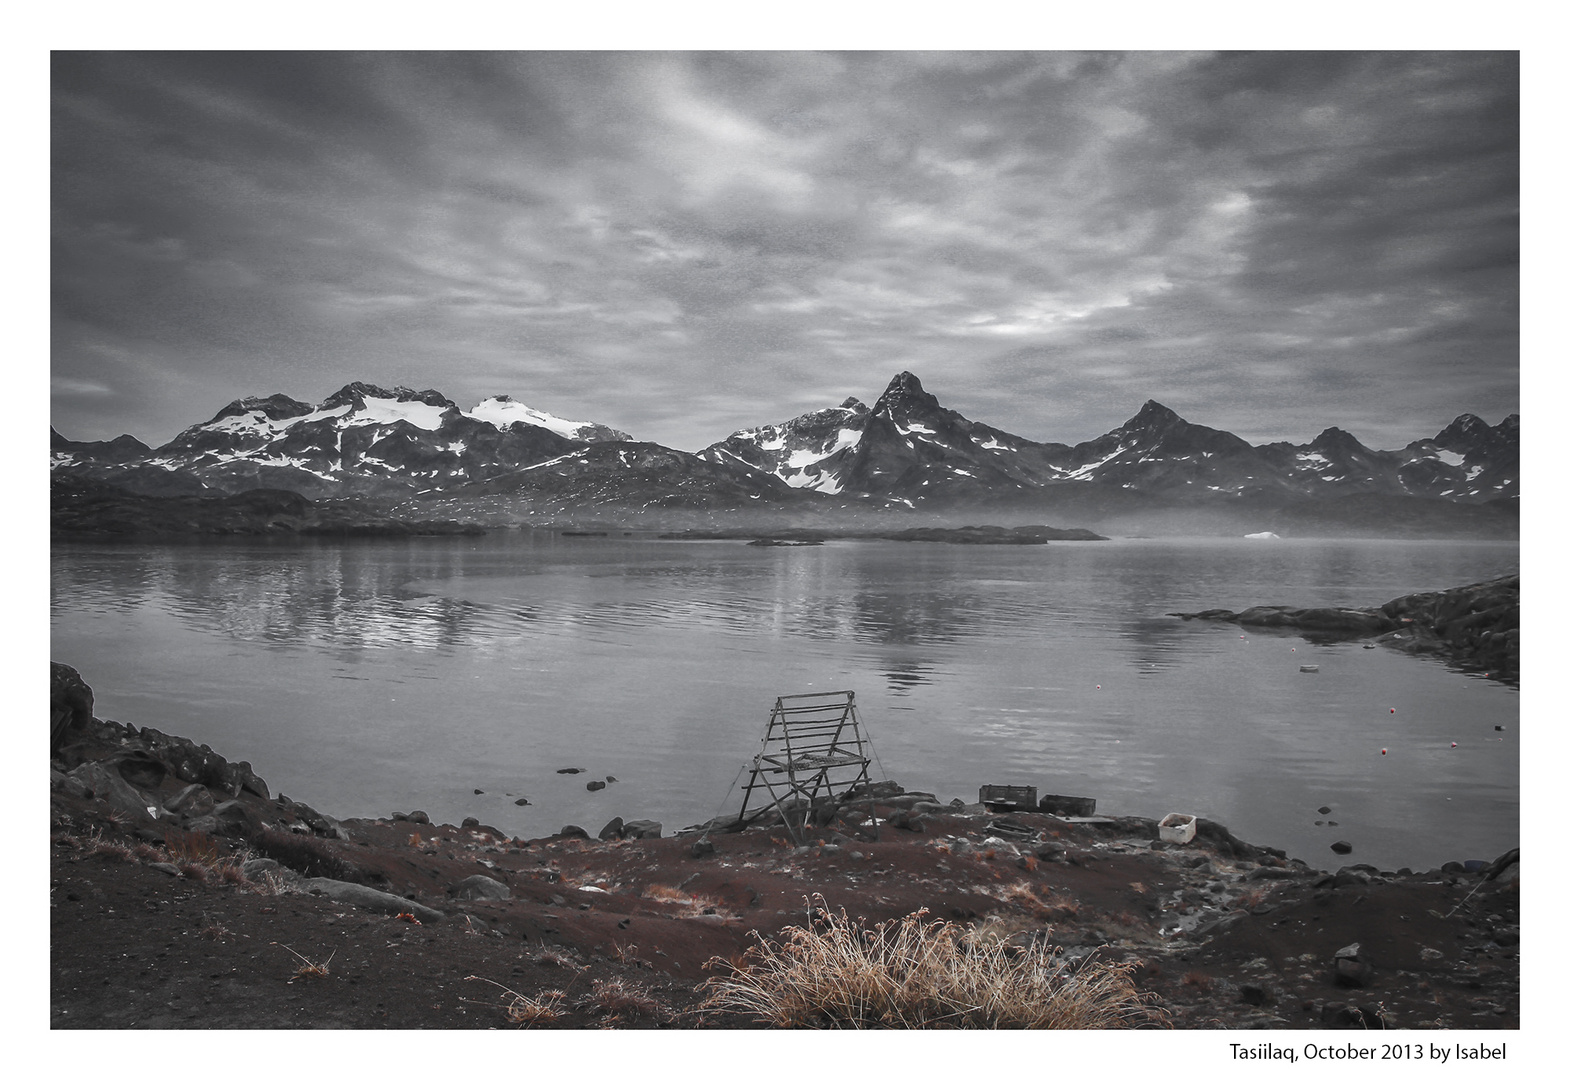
(1476, 627)
(1247, 936)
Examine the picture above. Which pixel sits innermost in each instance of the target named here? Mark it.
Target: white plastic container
(1177, 828)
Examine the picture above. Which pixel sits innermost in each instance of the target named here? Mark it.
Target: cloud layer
(680, 245)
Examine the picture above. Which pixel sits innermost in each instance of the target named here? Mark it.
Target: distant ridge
(906, 452)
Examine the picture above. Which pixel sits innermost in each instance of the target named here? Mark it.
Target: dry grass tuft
(308, 969)
(95, 844)
(692, 905)
(619, 998)
(912, 973)
(526, 1011)
(193, 847)
(550, 956)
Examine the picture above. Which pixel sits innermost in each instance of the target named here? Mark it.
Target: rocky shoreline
(1474, 627)
(185, 894)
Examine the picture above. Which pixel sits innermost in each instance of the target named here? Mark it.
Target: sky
(681, 245)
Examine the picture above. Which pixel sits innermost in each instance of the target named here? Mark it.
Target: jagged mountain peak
(853, 404)
(905, 396)
(1153, 414)
(1334, 438)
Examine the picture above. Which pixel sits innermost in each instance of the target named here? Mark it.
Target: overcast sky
(681, 245)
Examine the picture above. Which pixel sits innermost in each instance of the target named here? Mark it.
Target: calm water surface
(371, 677)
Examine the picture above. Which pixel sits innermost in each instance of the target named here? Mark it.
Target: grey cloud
(683, 244)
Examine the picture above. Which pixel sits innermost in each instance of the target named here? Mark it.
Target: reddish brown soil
(623, 929)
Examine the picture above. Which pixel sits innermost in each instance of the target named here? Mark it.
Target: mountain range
(501, 461)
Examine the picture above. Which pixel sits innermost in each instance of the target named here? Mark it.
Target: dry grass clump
(618, 998)
(193, 847)
(523, 1010)
(308, 969)
(912, 973)
(95, 844)
(692, 905)
(551, 956)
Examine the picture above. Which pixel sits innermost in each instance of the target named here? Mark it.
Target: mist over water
(371, 677)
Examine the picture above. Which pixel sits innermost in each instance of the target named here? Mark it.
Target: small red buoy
(1392, 710)
(1384, 750)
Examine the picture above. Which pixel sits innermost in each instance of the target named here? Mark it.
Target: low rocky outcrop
(967, 534)
(70, 703)
(1476, 627)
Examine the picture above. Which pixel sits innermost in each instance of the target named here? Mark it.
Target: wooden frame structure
(812, 750)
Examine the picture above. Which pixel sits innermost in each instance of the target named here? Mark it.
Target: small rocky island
(184, 893)
(1475, 627)
(965, 534)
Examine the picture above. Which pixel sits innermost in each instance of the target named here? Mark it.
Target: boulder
(480, 887)
(70, 703)
(110, 786)
(595, 785)
(59, 781)
(231, 818)
(242, 777)
(363, 896)
(1352, 967)
(571, 832)
(139, 768)
(641, 829)
(192, 799)
(1499, 866)
(612, 829)
(258, 869)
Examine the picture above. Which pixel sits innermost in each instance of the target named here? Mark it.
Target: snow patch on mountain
(383, 411)
(501, 411)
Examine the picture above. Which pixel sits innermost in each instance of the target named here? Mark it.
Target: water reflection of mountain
(441, 594)
(332, 596)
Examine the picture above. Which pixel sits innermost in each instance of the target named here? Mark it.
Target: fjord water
(370, 677)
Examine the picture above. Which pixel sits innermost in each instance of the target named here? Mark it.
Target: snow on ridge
(378, 410)
(1450, 457)
(554, 461)
(499, 413)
